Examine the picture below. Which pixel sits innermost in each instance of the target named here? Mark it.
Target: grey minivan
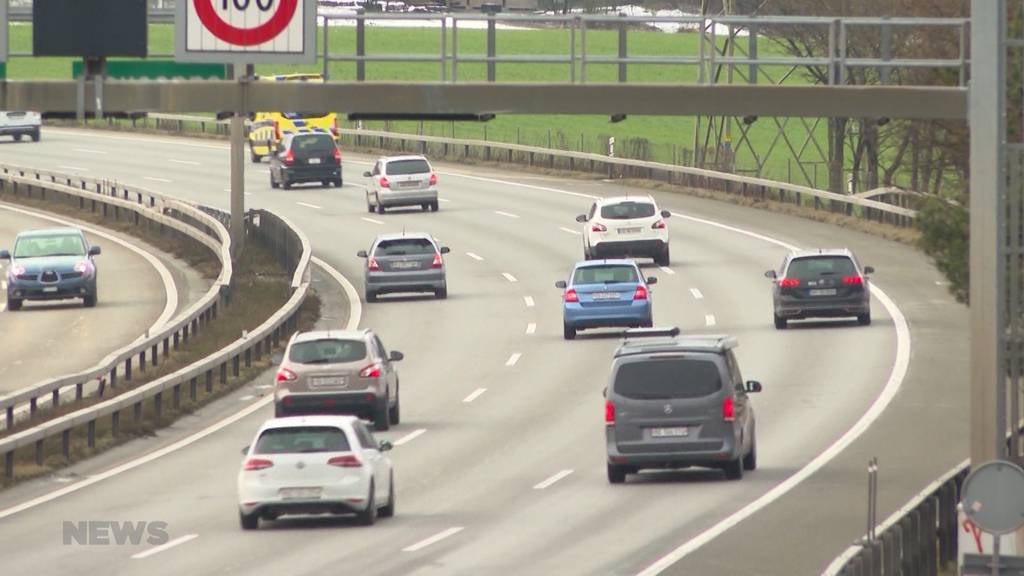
(677, 402)
(407, 262)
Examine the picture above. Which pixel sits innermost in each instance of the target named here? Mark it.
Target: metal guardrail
(290, 246)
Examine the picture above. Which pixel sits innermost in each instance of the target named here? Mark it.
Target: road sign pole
(237, 183)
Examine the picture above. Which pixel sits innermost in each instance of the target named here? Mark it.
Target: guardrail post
(39, 451)
(142, 361)
(55, 398)
(10, 417)
(90, 432)
(158, 404)
(235, 366)
(248, 356)
(65, 444)
(224, 373)
(115, 423)
(9, 465)
(79, 389)
(209, 381)
(32, 408)
(167, 347)
(193, 388)
(128, 369)
(176, 400)
(137, 411)
(154, 352)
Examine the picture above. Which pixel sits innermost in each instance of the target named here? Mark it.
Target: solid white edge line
(166, 546)
(474, 395)
(697, 294)
(531, 327)
(409, 437)
(667, 270)
(170, 288)
(433, 539)
(155, 179)
(69, 167)
(552, 479)
(355, 316)
(513, 359)
(475, 257)
(307, 205)
(528, 300)
(709, 320)
(509, 277)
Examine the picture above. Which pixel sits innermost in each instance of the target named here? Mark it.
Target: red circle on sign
(245, 36)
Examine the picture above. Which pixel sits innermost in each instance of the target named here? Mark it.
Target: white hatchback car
(315, 465)
(625, 226)
(397, 181)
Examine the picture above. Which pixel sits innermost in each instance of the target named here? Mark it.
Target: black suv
(306, 158)
(821, 284)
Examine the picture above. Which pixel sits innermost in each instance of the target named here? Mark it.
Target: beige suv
(339, 372)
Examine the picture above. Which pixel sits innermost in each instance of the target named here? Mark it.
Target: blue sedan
(53, 264)
(605, 294)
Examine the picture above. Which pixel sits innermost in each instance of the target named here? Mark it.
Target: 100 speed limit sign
(246, 31)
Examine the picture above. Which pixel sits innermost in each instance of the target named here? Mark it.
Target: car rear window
(400, 167)
(327, 351)
(312, 144)
(627, 210)
(304, 115)
(404, 247)
(604, 275)
(297, 439)
(662, 379)
(44, 246)
(814, 267)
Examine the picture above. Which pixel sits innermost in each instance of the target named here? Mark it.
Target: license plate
(328, 381)
(405, 265)
(629, 230)
(605, 296)
(50, 289)
(670, 432)
(823, 292)
(314, 160)
(412, 184)
(300, 493)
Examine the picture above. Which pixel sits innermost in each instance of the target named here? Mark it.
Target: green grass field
(665, 139)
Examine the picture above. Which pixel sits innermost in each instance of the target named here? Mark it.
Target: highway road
(500, 457)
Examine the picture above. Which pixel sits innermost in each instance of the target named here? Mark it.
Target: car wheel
(89, 300)
(381, 422)
(35, 136)
(663, 258)
(434, 206)
(750, 460)
(380, 207)
(424, 207)
(369, 516)
(395, 412)
(568, 332)
(254, 157)
(248, 521)
(734, 469)
(325, 183)
(17, 137)
(649, 323)
(339, 183)
(284, 182)
(369, 208)
(864, 319)
(780, 322)
(442, 292)
(273, 183)
(13, 304)
(371, 296)
(616, 474)
(389, 510)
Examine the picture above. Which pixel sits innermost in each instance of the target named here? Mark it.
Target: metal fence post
(622, 50)
(490, 48)
(360, 48)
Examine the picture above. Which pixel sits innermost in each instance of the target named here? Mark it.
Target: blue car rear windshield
(302, 439)
(663, 379)
(605, 275)
(327, 351)
(48, 246)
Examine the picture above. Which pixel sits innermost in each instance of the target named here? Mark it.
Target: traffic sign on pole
(245, 31)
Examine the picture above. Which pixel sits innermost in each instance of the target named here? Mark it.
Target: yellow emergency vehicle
(268, 127)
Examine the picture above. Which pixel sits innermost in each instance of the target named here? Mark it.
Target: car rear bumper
(390, 198)
(344, 497)
(425, 281)
(651, 454)
(311, 173)
(71, 288)
(26, 129)
(635, 314)
(363, 403)
(794, 308)
(613, 248)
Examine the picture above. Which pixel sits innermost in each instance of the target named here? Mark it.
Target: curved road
(514, 478)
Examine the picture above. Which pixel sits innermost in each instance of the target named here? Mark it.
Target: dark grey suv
(821, 284)
(676, 402)
(406, 262)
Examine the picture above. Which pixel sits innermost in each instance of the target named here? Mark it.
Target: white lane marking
(513, 359)
(163, 547)
(696, 293)
(476, 394)
(554, 478)
(505, 214)
(371, 220)
(75, 168)
(570, 231)
(90, 151)
(531, 328)
(529, 301)
(443, 200)
(354, 318)
(709, 320)
(475, 257)
(307, 205)
(433, 539)
(667, 270)
(155, 179)
(410, 437)
(185, 162)
(509, 277)
(248, 193)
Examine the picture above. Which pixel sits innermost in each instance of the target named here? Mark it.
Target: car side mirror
(604, 392)
(245, 451)
(384, 446)
(368, 174)
(277, 357)
(581, 218)
(752, 386)
(652, 280)
(560, 284)
(445, 249)
(95, 250)
(361, 254)
(5, 255)
(395, 356)
(666, 214)
(771, 274)
(869, 269)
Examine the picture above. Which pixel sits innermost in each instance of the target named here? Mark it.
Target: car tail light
(371, 264)
(570, 295)
(853, 281)
(82, 266)
(383, 182)
(640, 293)
(659, 225)
(371, 371)
(437, 263)
(788, 282)
(598, 227)
(609, 413)
(257, 464)
(337, 154)
(728, 414)
(433, 178)
(286, 375)
(289, 158)
(346, 461)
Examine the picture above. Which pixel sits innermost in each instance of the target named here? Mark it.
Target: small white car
(315, 465)
(625, 227)
(18, 124)
(397, 181)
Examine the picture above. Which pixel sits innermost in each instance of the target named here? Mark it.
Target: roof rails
(651, 332)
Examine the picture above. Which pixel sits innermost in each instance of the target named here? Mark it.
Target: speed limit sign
(245, 31)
